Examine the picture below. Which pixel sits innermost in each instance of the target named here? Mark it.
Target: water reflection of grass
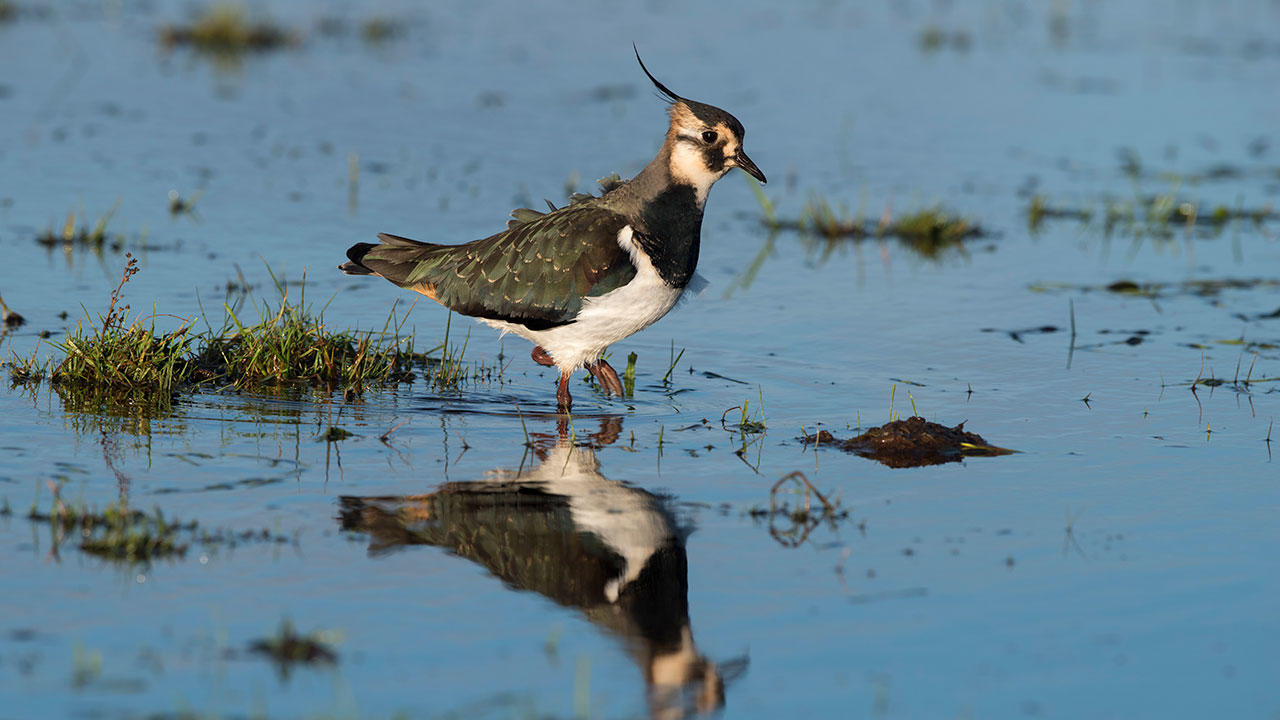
(127, 536)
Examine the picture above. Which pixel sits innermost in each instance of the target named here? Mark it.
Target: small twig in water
(384, 436)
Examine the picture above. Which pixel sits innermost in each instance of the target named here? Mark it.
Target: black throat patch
(669, 232)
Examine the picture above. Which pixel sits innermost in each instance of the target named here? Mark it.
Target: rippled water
(490, 559)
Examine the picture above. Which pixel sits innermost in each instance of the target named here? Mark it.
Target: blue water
(1118, 566)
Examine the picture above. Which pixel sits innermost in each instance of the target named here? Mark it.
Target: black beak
(745, 163)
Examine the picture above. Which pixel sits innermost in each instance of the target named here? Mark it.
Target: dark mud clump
(911, 443)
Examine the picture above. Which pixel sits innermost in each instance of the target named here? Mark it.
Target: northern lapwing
(581, 277)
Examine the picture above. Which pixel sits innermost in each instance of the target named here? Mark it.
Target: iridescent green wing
(536, 273)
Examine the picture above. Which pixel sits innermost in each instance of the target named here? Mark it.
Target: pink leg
(542, 357)
(563, 400)
(606, 376)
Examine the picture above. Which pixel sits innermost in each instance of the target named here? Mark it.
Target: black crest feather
(661, 88)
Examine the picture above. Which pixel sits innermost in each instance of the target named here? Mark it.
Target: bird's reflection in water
(562, 529)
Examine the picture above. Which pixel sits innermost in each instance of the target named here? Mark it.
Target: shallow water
(1118, 566)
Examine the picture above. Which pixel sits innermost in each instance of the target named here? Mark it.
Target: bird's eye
(709, 136)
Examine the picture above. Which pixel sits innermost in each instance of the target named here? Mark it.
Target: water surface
(1118, 566)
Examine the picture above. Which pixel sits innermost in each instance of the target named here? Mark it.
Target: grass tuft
(290, 344)
(123, 354)
(122, 361)
(629, 375)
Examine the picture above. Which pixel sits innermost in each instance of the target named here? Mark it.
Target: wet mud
(913, 442)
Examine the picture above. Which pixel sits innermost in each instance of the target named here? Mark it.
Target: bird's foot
(563, 401)
(542, 357)
(606, 376)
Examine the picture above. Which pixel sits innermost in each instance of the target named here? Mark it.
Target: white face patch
(688, 166)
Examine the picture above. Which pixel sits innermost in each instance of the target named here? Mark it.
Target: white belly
(607, 318)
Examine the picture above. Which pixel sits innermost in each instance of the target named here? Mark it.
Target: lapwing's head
(705, 142)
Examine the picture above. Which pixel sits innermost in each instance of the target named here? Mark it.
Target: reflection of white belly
(627, 520)
(608, 318)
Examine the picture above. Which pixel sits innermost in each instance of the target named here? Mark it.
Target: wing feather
(537, 272)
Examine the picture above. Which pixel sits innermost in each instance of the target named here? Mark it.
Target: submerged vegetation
(116, 360)
(225, 29)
